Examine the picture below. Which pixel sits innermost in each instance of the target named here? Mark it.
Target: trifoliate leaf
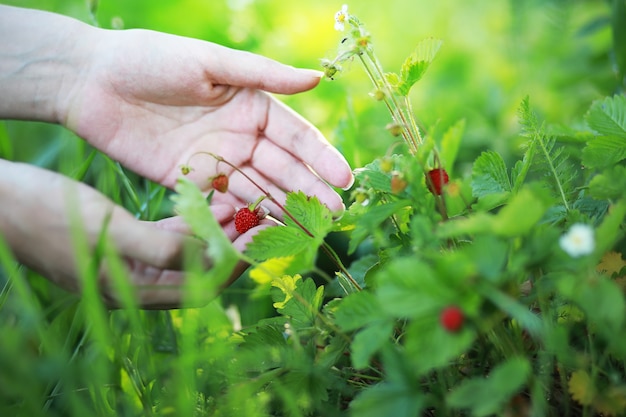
(581, 387)
(417, 63)
(489, 175)
(485, 396)
(608, 116)
(604, 151)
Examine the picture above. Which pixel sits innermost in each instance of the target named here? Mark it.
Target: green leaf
(192, 206)
(280, 241)
(601, 299)
(517, 218)
(486, 396)
(522, 213)
(608, 116)
(410, 288)
(370, 176)
(513, 308)
(475, 223)
(489, 175)
(291, 239)
(368, 341)
(610, 185)
(299, 300)
(367, 222)
(604, 151)
(387, 399)
(393, 79)
(310, 212)
(417, 63)
(357, 310)
(451, 143)
(545, 158)
(429, 346)
(611, 229)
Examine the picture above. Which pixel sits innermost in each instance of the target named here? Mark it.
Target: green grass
(65, 354)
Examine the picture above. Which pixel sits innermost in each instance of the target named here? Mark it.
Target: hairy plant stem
(378, 79)
(402, 114)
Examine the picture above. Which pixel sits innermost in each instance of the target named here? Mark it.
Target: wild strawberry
(437, 178)
(247, 218)
(398, 183)
(220, 183)
(452, 318)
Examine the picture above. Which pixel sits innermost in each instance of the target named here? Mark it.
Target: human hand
(152, 101)
(38, 224)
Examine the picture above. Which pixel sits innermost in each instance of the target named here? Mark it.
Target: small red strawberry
(437, 178)
(452, 318)
(246, 219)
(220, 183)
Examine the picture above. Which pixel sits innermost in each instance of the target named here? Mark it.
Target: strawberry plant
(493, 291)
(478, 268)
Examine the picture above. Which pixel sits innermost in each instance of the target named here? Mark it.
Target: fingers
(297, 136)
(244, 69)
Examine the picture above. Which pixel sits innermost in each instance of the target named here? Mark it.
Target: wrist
(41, 57)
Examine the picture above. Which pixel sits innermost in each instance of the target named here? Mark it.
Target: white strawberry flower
(578, 241)
(341, 17)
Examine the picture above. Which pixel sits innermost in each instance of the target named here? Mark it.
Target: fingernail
(311, 72)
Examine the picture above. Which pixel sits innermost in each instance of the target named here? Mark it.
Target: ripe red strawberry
(438, 178)
(246, 219)
(452, 318)
(220, 183)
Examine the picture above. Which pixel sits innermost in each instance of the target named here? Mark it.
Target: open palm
(152, 100)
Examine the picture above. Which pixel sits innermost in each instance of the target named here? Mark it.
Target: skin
(154, 102)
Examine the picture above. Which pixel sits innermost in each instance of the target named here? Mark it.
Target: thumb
(245, 69)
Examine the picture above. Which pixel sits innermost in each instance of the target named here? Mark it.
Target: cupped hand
(37, 220)
(157, 102)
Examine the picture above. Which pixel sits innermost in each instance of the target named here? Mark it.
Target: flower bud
(394, 128)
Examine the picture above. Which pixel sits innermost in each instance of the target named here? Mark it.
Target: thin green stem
(414, 126)
(407, 120)
(390, 102)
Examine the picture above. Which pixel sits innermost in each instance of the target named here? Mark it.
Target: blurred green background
(494, 53)
(561, 53)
